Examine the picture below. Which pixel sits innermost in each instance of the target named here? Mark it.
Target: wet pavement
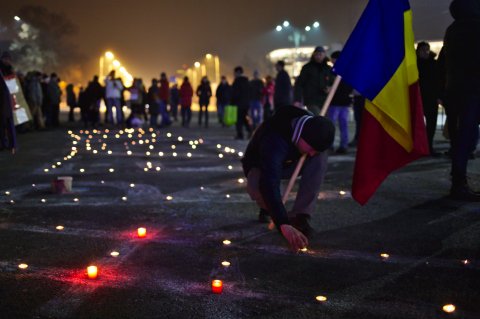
(406, 254)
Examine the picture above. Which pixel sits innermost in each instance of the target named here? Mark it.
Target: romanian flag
(379, 61)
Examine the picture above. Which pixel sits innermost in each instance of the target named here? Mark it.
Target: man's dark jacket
(283, 90)
(311, 85)
(241, 92)
(271, 150)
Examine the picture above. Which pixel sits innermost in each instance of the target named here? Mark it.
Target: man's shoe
(300, 222)
(263, 216)
(464, 194)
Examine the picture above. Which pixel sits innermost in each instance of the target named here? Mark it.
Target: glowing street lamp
(116, 63)
(208, 56)
(316, 24)
(308, 28)
(197, 64)
(279, 28)
(286, 24)
(109, 55)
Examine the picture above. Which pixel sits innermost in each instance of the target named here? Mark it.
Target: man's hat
(319, 49)
(319, 133)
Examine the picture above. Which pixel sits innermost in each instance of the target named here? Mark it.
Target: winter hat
(319, 49)
(318, 132)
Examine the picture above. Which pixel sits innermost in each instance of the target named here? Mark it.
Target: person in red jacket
(186, 94)
(164, 95)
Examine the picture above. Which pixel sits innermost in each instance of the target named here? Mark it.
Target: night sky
(152, 36)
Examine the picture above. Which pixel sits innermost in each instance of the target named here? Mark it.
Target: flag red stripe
(379, 154)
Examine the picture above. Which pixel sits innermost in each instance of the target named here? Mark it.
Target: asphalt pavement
(406, 254)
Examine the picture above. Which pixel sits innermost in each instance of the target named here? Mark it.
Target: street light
(197, 64)
(109, 55)
(296, 36)
(208, 56)
(116, 63)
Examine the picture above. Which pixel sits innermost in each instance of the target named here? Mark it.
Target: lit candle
(124, 198)
(384, 256)
(241, 181)
(217, 286)
(23, 266)
(449, 308)
(342, 193)
(321, 298)
(114, 254)
(142, 232)
(59, 227)
(227, 242)
(92, 272)
(225, 264)
(304, 250)
(169, 197)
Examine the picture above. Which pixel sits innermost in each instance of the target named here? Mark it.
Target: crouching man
(272, 155)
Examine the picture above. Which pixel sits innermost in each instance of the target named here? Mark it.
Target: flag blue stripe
(376, 47)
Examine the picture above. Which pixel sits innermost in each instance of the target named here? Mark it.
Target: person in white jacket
(113, 98)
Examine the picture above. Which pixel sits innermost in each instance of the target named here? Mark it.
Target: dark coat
(186, 94)
(271, 150)
(174, 96)
(7, 129)
(283, 90)
(256, 89)
(241, 92)
(428, 73)
(311, 85)
(223, 93)
(462, 49)
(343, 95)
(204, 92)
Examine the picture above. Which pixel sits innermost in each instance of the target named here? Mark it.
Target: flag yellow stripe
(391, 107)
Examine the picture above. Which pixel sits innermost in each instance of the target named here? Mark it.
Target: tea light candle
(225, 264)
(114, 254)
(141, 232)
(227, 242)
(92, 272)
(384, 256)
(342, 193)
(449, 308)
(217, 286)
(59, 227)
(321, 298)
(169, 197)
(23, 266)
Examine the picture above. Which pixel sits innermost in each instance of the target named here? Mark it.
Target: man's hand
(294, 237)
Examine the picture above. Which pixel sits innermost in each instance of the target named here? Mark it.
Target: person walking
(256, 90)
(71, 102)
(462, 65)
(54, 94)
(174, 101)
(164, 94)
(153, 103)
(34, 96)
(186, 94)
(313, 83)
(268, 97)
(339, 109)
(283, 87)
(204, 92)
(113, 95)
(240, 98)
(223, 95)
(430, 89)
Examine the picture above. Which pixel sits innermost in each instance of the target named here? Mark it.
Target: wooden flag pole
(324, 110)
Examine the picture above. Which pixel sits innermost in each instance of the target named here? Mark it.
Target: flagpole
(324, 110)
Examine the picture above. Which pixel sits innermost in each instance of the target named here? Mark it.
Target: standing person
(96, 93)
(429, 88)
(223, 95)
(137, 102)
(34, 98)
(113, 95)
(186, 94)
(313, 83)
(268, 97)
(256, 90)
(240, 98)
(71, 102)
(462, 63)
(358, 106)
(272, 155)
(154, 103)
(204, 92)
(54, 94)
(340, 109)
(8, 138)
(283, 87)
(174, 101)
(164, 95)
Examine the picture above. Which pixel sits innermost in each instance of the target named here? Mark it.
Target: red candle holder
(217, 286)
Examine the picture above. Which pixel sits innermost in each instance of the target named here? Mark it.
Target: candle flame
(321, 298)
(23, 266)
(449, 308)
